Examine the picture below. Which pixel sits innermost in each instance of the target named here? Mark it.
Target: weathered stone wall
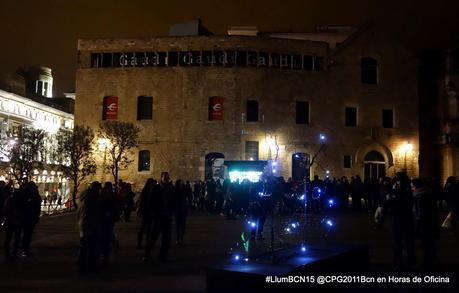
(179, 136)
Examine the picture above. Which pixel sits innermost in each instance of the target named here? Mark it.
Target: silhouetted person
(111, 210)
(452, 197)
(162, 203)
(12, 212)
(357, 192)
(31, 214)
(145, 212)
(180, 208)
(400, 206)
(89, 218)
(425, 214)
(128, 202)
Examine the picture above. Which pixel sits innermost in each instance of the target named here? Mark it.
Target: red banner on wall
(110, 110)
(216, 108)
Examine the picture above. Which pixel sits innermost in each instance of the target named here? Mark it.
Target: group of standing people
(19, 213)
(158, 204)
(101, 207)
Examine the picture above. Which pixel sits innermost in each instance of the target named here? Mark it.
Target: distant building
(259, 96)
(439, 121)
(26, 99)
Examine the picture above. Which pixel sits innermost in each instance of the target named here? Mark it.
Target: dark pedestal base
(241, 275)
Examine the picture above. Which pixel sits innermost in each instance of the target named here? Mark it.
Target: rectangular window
(144, 108)
(144, 161)
(252, 111)
(388, 118)
(251, 150)
(350, 117)
(302, 112)
(45, 89)
(347, 162)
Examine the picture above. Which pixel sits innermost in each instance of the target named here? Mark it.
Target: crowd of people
(409, 205)
(19, 213)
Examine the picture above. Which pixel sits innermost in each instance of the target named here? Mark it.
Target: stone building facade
(275, 98)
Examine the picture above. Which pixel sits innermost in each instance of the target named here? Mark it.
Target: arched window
(144, 160)
(374, 156)
(369, 70)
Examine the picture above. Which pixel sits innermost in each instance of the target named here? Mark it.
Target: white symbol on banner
(112, 107)
(217, 107)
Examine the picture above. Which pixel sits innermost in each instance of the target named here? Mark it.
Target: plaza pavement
(207, 242)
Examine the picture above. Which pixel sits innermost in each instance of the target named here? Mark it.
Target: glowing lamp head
(329, 223)
(327, 172)
(274, 170)
(246, 259)
(322, 137)
(297, 156)
(331, 202)
(274, 163)
(236, 257)
(407, 147)
(253, 225)
(288, 230)
(302, 197)
(303, 248)
(293, 225)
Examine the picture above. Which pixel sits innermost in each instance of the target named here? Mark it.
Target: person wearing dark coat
(144, 212)
(399, 205)
(12, 221)
(89, 218)
(426, 220)
(162, 205)
(180, 209)
(128, 202)
(31, 214)
(110, 210)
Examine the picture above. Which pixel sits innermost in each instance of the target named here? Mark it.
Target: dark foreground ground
(207, 242)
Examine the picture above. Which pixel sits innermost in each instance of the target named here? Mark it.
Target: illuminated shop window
(144, 108)
(369, 70)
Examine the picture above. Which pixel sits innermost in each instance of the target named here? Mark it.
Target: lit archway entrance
(300, 165)
(214, 166)
(374, 166)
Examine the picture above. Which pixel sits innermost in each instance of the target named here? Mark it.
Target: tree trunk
(74, 194)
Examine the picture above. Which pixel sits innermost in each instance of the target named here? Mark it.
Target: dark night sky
(45, 32)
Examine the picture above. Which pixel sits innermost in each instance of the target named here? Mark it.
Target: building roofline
(32, 103)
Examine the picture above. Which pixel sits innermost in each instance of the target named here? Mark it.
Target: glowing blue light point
(253, 225)
(274, 170)
(274, 164)
(237, 257)
(302, 197)
(331, 202)
(322, 137)
(329, 223)
(303, 248)
(246, 259)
